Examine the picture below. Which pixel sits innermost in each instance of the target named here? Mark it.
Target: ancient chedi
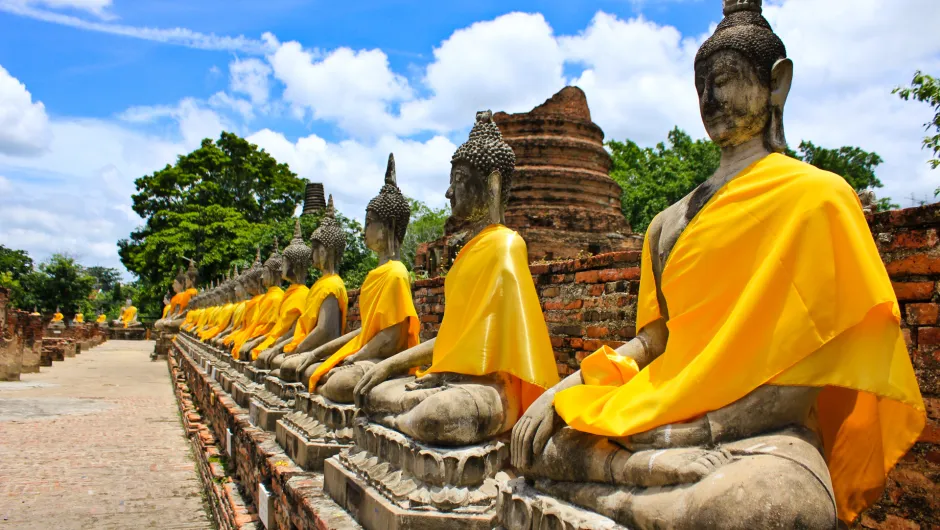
(314, 199)
(563, 201)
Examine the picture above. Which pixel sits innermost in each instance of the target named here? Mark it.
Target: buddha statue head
(743, 78)
(238, 285)
(297, 257)
(179, 282)
(387, 217)
(192, 275)
(253, 281)
(481, 175)
(328, 242)
(272, 267)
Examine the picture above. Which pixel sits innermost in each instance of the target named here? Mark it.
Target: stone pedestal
(388, 481)
(265, 408)
(522, 507)
(316, 430)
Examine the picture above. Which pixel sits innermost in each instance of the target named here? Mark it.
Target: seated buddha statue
(102, 321)
(267, 314)
(251, 282)
(769, 385)
(240, 298)
(226, 304)
(294, 268)
(389, 321)
(324, 309)
(58, 320)
(128, 316)
(492, 356)
(184, 285)
(79, 318)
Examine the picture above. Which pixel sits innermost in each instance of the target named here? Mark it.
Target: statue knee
(341, 383)
(762, 492)
(289, 367)
(452, 417)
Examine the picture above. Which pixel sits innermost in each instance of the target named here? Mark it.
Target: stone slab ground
(96, 442)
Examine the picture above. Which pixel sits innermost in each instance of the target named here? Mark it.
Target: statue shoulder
(810, 182)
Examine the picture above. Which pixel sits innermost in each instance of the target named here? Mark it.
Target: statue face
(319, 256)
(467, 192)
(734, 103)
(270, 277)
(376, 233)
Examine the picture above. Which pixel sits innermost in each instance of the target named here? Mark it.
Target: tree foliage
(653, 178)
(426, 224)
(926, 89)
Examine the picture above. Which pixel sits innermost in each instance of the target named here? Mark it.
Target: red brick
(914, 264)
(933, 407)
(587, 277)
(907, 337)
(914, 239)
(553, 306)
(582, 355)
(541, 268)
(430, 318)
(559, 278)
(596, 332)
(576, 343)
(557, 342)
(891, 522)
(574, 304)
(922, 314)
(928, 337)
(914, 291)
(931, 433)
(596, 290)
(551, 292)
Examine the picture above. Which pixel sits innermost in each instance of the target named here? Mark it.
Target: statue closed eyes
(768, 351)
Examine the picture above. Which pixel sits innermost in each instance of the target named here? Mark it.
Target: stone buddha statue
(320, 424)
(102, 321)
(58, 320)
(294, 269)
(128, 316)
(184, 285)
(490, 360)
(389, 321)
(768, 344)
(324, 314)
(268, 308)
(226, 304)
(240, 299)
(251, 282)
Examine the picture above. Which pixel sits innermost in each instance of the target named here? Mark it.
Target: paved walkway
(96, 442)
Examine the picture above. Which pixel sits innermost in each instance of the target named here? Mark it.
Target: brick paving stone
(96, 442)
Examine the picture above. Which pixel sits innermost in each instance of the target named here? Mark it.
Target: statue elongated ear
(494, 184)
(781, 78)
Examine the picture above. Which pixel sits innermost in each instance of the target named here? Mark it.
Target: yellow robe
(776, 280)
(80, 318)
(102, 319)
(384, 301)
(493, 319)
(57, 317)
(248, 316)
(191, 318)
(290, 310)
(325, 287)
(265, 317)
(180, 301)
(222, 320)
(128, 315)
(166, 310)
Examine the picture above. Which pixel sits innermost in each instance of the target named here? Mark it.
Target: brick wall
(11, 339)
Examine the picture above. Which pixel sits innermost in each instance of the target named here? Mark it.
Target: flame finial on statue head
(390, 206)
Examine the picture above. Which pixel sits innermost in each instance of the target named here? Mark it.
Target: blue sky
(95, 93)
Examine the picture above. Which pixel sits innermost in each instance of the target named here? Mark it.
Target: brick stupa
(563, 201)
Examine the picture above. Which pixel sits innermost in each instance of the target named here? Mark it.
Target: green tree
(653, 178)
(15, 262)
(427, 224)
(214, 205)
(926, 89)
(61, 282)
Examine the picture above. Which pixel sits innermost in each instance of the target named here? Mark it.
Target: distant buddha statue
(128, 316)
(79, 318)
(294, 268)
(268, 307)
(102, 321)
(184, 285)
(58, 320)
(324, 314)
(769, 385)
(252, 283)
(226, 304)
(389, 320)
(239, 298)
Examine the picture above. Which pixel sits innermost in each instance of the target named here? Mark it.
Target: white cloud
(355, 89)
(511, 63)
(99, 8)
(252, 78)
(175, 36)
(223, 101)
(24, 125)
